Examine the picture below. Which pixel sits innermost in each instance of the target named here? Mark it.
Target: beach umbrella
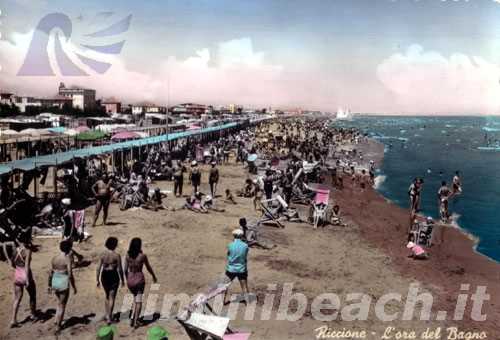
(142, 134)
(125, 135)
(252, 157)
(31, 132)
(82, 128)
(8, 133)
(91, 135)
(71, 132)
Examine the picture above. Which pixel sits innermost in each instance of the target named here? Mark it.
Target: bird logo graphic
(38, 60)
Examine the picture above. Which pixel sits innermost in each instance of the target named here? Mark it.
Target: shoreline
(454, 225)
(453, 260)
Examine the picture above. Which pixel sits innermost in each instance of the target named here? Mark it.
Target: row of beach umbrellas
(80, 132)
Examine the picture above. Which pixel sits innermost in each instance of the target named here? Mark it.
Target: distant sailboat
(344, 114)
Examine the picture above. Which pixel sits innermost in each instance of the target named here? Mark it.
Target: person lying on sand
(194, 203)
(156, 201)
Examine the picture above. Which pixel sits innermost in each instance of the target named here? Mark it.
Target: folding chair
(320, 206)
(270, 216)
(201, 326)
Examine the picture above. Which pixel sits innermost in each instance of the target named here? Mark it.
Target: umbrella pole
(54, 179)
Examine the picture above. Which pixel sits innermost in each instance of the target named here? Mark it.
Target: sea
(434, 148)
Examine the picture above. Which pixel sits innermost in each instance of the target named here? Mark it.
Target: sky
(371, 56)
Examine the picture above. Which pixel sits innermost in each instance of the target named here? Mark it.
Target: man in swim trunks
(237, 253)
(60, 277)
(443, 194)
(110, 273)
(102, 190)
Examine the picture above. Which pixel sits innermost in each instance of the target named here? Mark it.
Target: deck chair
(320, 207)
(268, 215)
(199, 325)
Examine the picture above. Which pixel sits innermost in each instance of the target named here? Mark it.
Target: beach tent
(124, 135)
(90, 136)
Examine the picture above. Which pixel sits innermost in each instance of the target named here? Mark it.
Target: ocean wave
(391, 137)
(490, 129)
(379, 180)
(489, 148)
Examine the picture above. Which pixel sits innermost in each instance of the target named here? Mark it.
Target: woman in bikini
(109, 274)
(60, 277)
(134, 261)
(23, 278)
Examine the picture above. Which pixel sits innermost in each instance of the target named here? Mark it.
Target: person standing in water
(134, 261)
(443, 194)
(23, 278)
(60, 277)
(457, 184)
(109, 273)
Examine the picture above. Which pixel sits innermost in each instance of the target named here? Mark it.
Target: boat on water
(344, 114)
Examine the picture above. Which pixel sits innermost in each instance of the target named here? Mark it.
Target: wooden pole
(54, 179)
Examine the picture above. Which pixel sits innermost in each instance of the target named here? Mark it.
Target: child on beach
(417, 252)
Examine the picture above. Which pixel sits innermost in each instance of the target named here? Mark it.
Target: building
(58, 101)
(189, 109)
(81, 98)
(22, 102)
(142, 109)
(7, 98)
(112, 106)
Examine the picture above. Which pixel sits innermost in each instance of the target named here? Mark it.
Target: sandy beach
(187, 251)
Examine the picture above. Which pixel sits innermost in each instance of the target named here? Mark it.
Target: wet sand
(187, 251)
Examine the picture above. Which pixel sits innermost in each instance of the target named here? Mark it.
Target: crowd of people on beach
(288, 164)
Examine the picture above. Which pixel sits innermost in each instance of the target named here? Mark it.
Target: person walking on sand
(23, 278)
(134, 261)
(102, 192)
(236, 267)
(195, 176)
(179, 170)
(60, 277)
(109, 273)
(213, 179)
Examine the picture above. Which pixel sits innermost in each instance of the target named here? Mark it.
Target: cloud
(233, 72)
(428, 82)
